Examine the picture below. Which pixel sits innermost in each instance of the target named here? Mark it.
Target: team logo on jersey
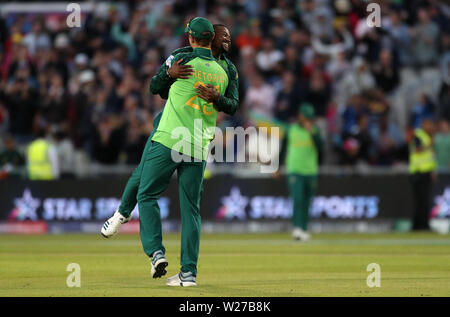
(207, 64)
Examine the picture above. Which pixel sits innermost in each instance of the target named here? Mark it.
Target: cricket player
(184, 109)
(303, 144)
(160, 84)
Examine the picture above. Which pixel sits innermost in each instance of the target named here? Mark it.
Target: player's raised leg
(123, 214)
(128, 201)
(129, 196)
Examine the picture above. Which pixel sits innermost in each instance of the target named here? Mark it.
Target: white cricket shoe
(159, 264)
(182, 279)
(112, 225)
(299, 234)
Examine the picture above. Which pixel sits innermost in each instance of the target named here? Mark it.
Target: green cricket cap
(200, 28)
(307, 110)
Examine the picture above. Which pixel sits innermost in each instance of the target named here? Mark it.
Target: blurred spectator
(81, 64)
(21, 102)
(135, 140)
(370, 41)
(444, 101)
(335, 48)
(21, 65)
(55, 61)
(37, 39)
(388, 142)
(91, 83)
(357, 143)
(123, 37)
(317, 17)
(3, 116)
(423, 109)
(300, 40)
(42, 158)
(442, 145)
(4, 32)
(107, 140)
(268, 58)
(250, 36)
(339, 67)
(422, 166)
(80, 121)
(351, 113)
(288, 98)
(424, 40)
(386, 72)
(377, 106)
(10, 158)
(292, 62)
(400, 36)
(53, 106)
(318, 93)
(357, 80)
(445, 61)
(64, 149)
(260, 97)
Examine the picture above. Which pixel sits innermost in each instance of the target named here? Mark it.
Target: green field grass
(230, 265)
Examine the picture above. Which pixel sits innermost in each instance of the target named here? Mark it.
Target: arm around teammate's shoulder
(229, 102)
(172, 69)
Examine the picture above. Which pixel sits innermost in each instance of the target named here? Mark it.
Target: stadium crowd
(87, 89)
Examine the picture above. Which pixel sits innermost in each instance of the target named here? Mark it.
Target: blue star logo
(25, 207)
(233, 206)
(442, 207)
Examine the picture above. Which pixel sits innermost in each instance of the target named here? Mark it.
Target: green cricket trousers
(156, 169)
(302, 189)
(129, 196)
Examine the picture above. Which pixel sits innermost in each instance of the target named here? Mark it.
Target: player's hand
(276, 175)
(180, 71)
(207, 93)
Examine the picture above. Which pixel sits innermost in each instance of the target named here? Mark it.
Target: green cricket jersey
(227, 103)
(187, 123)
(302, 151)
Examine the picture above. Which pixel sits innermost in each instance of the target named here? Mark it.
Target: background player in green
(160, 84)
(303, 143)
(183, 110)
